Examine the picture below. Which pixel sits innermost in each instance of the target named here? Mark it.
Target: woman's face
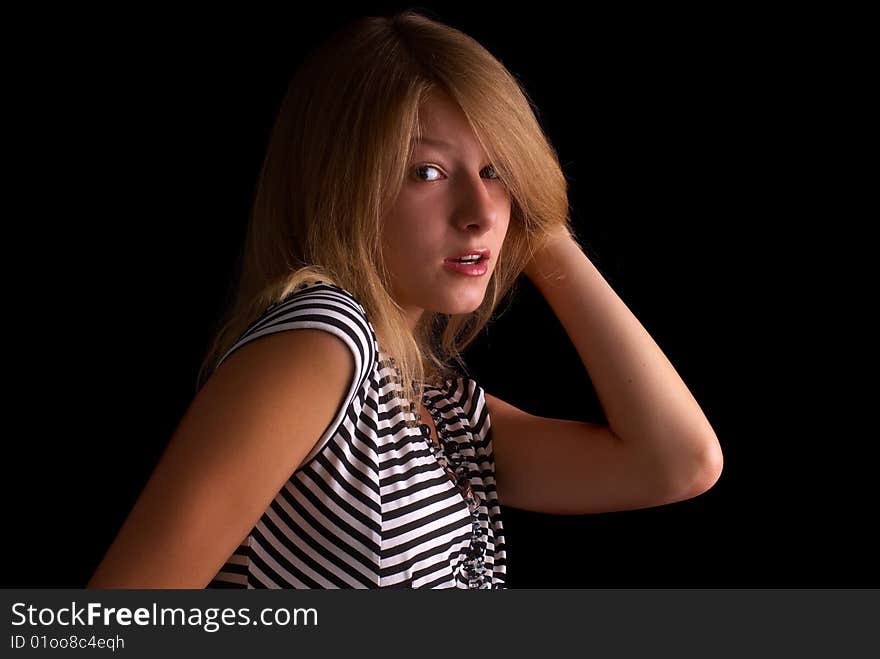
(450, 203)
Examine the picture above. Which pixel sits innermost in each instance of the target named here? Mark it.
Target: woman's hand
(545, 261)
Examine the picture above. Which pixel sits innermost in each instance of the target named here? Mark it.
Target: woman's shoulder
(317, 305)
(317, 292)
(320, 299)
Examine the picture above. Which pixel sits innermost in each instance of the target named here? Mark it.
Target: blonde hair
(337, 157)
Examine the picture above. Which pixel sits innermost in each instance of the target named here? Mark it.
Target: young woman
(406, 186)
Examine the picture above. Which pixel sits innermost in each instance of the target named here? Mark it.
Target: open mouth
(472, 265)
(470, 257)
(469, 260)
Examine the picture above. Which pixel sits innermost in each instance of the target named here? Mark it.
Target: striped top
(372, 504)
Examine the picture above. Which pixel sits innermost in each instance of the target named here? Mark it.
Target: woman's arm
(647, 405)
(245, 433)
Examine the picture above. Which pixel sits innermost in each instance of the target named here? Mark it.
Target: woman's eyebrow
(431, 141)
(442, 145)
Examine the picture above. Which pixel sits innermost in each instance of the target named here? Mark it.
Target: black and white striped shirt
(370, 506)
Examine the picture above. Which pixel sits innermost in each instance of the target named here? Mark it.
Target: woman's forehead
(439, 112)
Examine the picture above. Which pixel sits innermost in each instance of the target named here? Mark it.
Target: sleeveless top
(373, 504)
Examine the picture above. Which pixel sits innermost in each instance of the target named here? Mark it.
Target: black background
(704, 178)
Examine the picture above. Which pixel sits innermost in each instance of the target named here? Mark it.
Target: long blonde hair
(338, 156)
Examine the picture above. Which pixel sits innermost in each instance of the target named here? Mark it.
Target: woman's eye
(421, 167)
(418, 172)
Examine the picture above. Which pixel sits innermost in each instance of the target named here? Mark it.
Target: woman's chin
(461, 306)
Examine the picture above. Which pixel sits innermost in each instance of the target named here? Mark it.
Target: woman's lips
(483, 252)
(477, 269)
